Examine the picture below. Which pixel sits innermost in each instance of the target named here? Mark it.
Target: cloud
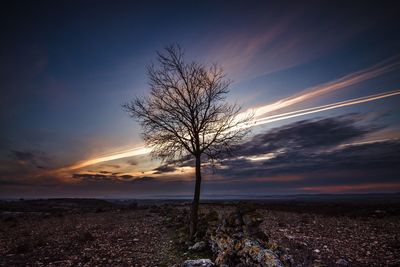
(307, 111)
(105, 172)
(259, 121)
(145, 179)
(305, 135)
(37, 159)
(310, 153)
(94, 177)
(115, 166)
(126, 176)
(132, 162)
(164, 169)
(114, 156)
(319, 155)
(358, 77)
(104, 176)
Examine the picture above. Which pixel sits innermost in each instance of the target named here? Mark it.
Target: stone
(199, 246)
(198, 263)
(342, 262)
(237, 241)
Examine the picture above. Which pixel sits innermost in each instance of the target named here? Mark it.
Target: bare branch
(185, 113)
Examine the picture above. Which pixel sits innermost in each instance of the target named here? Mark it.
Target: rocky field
(85, 232)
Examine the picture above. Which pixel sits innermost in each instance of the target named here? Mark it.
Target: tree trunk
(196, 198)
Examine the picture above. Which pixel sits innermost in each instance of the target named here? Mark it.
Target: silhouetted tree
(185, 114)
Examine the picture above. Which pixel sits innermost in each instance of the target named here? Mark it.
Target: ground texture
(97, 233)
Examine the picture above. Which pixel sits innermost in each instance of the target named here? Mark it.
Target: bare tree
(185, 114)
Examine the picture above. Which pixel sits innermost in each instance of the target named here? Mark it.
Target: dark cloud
(305, 135)
(132, 162)
(145, 179)
(101, 176)
(126, 177)
(94, 177)
(37, 159)
(315, 150)
(108, 176)
(164, 169)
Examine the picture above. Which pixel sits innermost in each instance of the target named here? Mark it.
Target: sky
(322, 78)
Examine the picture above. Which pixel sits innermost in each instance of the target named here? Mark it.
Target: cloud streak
(302, 112)
(343, 82)
(119, 155)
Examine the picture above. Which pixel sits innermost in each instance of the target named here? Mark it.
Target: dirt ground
(100, 234)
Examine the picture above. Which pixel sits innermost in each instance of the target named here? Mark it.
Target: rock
(342, 262)
(199, 246)
(287, 260)
(198, 263)
(252, 252)
(238, 241)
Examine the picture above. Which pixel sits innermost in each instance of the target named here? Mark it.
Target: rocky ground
(99, 233)
(329, 241)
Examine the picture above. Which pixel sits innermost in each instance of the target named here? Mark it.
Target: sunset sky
(322, 77)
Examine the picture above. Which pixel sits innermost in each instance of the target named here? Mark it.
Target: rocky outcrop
(238, 241)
